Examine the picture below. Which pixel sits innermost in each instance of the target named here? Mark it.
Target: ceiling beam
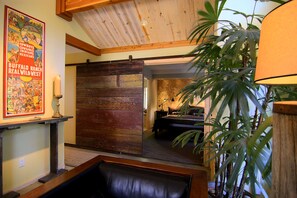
(148, 46)
(61, 10)
(78, 5)
(66, 8)
(74, 42)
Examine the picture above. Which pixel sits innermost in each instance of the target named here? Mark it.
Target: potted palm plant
(240, 136)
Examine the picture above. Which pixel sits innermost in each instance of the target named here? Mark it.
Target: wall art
(23, 64)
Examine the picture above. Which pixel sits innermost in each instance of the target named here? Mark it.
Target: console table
(53, 122)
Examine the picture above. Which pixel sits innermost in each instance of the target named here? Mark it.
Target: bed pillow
(172, 111)
(195, 110)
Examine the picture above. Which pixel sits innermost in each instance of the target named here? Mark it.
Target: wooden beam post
(61, 10)
(78, 5)
(75, 42)
(66, 8)
(284, 150)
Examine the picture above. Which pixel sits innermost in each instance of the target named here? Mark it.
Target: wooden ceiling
(127, 25)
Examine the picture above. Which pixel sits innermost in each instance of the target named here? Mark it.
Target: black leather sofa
(120, 178)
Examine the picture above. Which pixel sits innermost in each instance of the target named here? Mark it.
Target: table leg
(54, 171)
(54, 148)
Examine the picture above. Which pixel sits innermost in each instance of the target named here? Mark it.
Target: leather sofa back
(122, 181)
(108, 180)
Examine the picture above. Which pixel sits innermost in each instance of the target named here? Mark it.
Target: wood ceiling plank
(119, 26)
(143, 16)
(156, 27)
(159, 45)
(185, 19)
(171, 15)
(114, 15)
(111, 22)
(101, 35)
(116, 26)
(162, 26)
(89, 27)
(74, 42)
(134, 22)
(168, 20)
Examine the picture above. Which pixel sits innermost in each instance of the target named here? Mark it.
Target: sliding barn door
(110, 106)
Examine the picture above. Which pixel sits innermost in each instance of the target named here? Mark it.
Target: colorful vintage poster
(23, 64)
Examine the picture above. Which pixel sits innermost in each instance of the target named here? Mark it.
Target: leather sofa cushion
(121, 181)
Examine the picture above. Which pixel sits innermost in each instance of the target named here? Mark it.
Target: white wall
(31, 142)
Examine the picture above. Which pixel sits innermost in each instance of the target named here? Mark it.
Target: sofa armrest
(199, 187)
(62, 179)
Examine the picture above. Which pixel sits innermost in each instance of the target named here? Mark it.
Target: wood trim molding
(148, 46)
(75, 42)
(66, 8)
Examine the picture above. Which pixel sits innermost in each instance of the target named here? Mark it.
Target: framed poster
(23, 64)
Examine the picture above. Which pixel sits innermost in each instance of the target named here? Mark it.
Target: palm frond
(208, 19)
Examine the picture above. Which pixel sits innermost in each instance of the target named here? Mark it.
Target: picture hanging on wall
(23, 64)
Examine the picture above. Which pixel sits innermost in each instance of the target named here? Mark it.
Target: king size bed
(174, 124)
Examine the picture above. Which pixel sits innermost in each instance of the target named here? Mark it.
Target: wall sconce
(164, 101)
(277, 65)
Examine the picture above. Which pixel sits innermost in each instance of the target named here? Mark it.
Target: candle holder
(57, 112)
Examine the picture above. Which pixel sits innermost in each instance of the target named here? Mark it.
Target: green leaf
(278, 1)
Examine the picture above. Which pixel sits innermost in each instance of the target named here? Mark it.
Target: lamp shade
(277, 56)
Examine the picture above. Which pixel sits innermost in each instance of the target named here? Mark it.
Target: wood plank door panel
(109, 106)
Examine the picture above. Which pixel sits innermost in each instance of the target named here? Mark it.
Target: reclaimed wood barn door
(109, 106)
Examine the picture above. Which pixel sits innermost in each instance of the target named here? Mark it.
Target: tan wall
(70, 105)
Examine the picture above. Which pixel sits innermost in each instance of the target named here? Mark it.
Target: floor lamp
(277, 65)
